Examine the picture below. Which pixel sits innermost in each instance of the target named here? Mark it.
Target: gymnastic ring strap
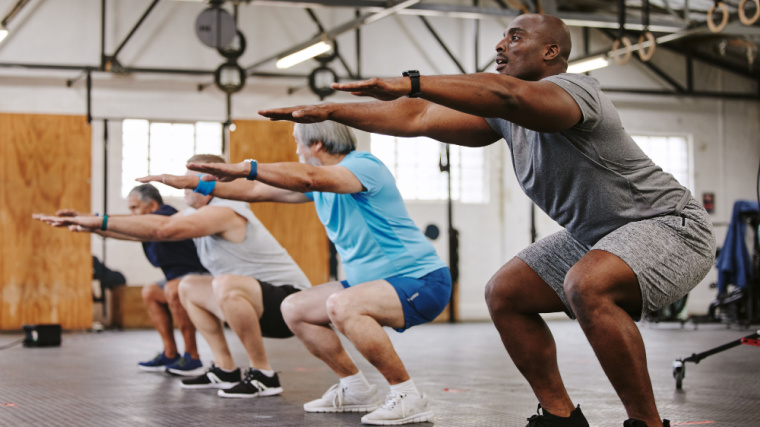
(743, 15)
(624, 58)
(724, 20)
(646, 54)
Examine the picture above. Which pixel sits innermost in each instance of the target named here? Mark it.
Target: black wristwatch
(414, 76)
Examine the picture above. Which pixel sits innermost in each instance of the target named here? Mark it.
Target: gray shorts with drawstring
(670, 255)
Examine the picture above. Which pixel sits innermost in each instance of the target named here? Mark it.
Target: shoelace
(336, 392)
(533, 421)
(394, 399)
(250, 378)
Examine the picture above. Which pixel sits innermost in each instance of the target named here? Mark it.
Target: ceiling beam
(668, 24)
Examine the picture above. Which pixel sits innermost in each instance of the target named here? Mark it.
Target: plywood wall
(295, 226)
(45, 273)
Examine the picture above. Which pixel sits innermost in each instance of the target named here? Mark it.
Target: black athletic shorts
(272, 323)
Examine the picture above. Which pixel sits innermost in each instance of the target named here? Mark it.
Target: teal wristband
(204, 187)
(254, 170)
(104, 224)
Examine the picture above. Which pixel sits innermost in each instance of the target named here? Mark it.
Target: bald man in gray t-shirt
(634, 238)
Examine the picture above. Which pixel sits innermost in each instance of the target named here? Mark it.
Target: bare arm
(404, 117)
(287, 176)
(452, 108)
(231, 188)
(206, 221)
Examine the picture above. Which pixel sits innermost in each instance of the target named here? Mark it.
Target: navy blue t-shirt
(175, 259)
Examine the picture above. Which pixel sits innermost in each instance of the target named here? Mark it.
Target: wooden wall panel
(45, 273)
(295, 226)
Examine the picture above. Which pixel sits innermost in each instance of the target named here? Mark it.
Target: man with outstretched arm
(635, 240)
(251, 274)
(394, 277)
(176, 260)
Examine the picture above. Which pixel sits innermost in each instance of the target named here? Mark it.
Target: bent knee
(290, 309)
(499, 294)
(339, 308)
(151, 292)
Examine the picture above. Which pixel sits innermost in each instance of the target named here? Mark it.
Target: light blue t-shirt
(371, 230)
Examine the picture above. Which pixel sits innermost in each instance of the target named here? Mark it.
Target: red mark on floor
(455, 390)
(301, 369)
(12, 405)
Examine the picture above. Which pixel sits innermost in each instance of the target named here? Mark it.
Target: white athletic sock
(356, 382)
(406, 387)
(229, 371)
(270, 374)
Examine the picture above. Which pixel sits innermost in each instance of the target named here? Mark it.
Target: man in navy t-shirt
(175, 259)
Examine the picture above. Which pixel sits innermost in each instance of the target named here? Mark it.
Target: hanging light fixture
(301, 55)
(588, 64)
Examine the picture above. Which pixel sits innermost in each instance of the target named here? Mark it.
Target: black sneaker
(255, 384)
(213, 378)
(576, 419)
(638, 423)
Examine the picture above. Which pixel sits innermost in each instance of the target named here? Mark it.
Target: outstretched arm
(404, 117)
(229, 187)
(206, 221)
(452, 108)
(286, 176)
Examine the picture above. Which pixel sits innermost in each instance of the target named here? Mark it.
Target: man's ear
(318, 146)
(552, 52)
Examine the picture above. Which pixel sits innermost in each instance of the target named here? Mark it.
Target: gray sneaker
(401, 408)
(341, 399)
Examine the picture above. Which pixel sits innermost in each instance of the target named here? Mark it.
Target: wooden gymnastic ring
(622, 59)
(743, 16)
(723, 22)
(647, 54)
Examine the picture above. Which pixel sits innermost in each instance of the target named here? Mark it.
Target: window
(670, 152)
(414, 162)
(158, 147)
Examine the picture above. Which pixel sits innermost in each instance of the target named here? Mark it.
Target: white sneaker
(401, 408)
(342, 399)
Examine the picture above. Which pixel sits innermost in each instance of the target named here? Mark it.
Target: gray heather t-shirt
(259, 255)
(592, 178)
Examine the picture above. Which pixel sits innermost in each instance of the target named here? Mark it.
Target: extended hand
(300, 114)
(222, 172)
(75, 223)
(176, 181)
(381, 89)
(69, 212)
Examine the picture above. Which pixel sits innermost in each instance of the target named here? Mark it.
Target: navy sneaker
(158, 363)
(576, 419)
(186, 366)
(638, 423)
(213, 378)
(255, 384)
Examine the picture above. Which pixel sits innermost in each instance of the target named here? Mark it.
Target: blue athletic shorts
(422, 299)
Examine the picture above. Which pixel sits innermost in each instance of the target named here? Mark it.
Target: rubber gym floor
(92, 380)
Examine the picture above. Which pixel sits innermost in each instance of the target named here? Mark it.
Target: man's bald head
(534, 46)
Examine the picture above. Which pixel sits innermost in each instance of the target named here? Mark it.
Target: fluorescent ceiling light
(303, 55)
(3, 33)
(588, 64)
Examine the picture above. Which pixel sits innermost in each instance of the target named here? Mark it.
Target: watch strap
(414, 76)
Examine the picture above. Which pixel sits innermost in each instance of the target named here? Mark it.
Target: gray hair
(147, 193)
(335, 137)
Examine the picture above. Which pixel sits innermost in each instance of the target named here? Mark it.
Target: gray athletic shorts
(670, 255)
